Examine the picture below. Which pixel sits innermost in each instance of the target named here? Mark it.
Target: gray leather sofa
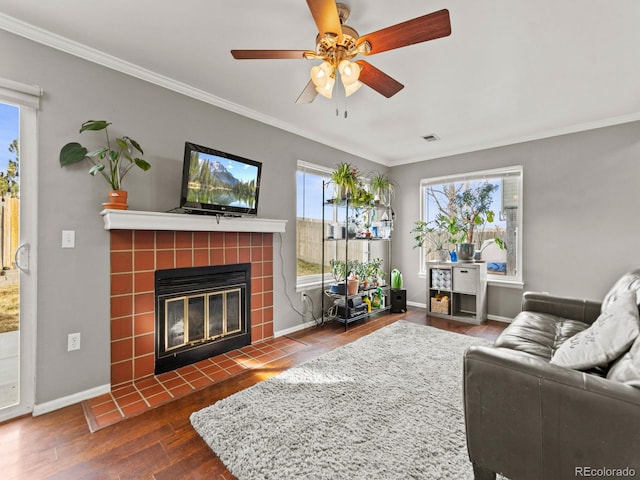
(529, 419)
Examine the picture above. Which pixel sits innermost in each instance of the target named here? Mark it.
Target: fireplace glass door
(201, 312)
(199, 318)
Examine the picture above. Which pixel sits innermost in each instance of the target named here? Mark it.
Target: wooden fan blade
(309, 93)
(378, 80)
(270, 54)
(325, 14)
(421, 29)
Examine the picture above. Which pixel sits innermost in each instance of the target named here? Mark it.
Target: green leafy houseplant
(113, 162)
(383, 188)
(349, 183)
(437, 235)
(374, 270)
(474, 208)
(338, 270)
(346, 178)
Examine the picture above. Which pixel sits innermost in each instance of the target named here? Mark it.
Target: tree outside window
(485, 208)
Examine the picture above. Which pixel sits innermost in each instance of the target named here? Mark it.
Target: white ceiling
(512, 70)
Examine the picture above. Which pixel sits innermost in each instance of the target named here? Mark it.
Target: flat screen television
(219, 183)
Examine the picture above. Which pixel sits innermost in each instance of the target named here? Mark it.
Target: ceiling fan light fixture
(320, 74)
(349, 72)
(351, 88)
(327, 89)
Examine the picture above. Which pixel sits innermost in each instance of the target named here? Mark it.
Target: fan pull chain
(340, 90)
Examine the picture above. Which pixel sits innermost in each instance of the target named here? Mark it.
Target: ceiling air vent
(431, 137)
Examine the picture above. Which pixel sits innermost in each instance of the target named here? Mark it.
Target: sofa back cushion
(629, 281)
(608, 338)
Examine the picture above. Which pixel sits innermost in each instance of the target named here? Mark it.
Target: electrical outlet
(73, 342)
(303, 296)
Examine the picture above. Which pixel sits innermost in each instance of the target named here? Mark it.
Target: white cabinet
(457, 291)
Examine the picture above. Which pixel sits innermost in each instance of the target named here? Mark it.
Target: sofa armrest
(529, 419)
(586, 311)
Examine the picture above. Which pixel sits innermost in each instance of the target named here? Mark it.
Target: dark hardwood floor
(161, 444)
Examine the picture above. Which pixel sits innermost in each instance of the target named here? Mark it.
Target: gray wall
(580, 214)
(580, 218)
(73, 285)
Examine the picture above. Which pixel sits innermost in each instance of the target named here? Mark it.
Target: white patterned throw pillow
(609, 337)
(627, 368)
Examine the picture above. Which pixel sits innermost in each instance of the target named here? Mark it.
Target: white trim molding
(17, 93)
(141, 220)
(58, 403)
(288, 331)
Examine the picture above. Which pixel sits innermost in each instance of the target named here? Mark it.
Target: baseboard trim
(416, 304)
(497, 318)
(62, 402)
(297, 328)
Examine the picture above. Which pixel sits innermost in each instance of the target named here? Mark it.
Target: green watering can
(396, 279)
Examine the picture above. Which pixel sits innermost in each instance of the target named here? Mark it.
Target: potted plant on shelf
(436, 235)
(374, 272)
(383, 189)
(360, 197)
(339, 273)
(353, 282)
(473, 207)
(113, 163)
(338, 270)
(346, 178)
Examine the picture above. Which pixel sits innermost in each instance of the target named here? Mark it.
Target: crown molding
(66, 45)
(99, 57)
(513, 140)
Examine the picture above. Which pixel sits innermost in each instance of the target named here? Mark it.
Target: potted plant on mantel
(112, 163)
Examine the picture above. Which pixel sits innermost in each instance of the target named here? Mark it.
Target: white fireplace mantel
(141, 220)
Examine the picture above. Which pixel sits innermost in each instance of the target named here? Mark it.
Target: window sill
(312, 285)
(493, 282)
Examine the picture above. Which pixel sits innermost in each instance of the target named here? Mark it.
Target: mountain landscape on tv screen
(210, 182)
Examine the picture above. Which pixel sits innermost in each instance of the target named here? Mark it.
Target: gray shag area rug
(387, 406)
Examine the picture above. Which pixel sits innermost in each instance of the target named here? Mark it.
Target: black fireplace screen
(201, 312)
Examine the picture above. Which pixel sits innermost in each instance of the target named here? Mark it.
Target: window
(309, 227)
(488, 207)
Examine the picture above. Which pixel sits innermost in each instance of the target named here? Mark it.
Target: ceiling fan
(337, 44)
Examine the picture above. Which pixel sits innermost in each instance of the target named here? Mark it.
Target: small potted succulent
(112, 162)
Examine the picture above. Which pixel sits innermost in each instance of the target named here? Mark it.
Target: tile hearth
(133, 398)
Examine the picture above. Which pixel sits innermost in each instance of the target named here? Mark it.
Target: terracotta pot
(352, 286)
(117, 200)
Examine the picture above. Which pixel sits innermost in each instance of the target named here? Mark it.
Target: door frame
(26, 97)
